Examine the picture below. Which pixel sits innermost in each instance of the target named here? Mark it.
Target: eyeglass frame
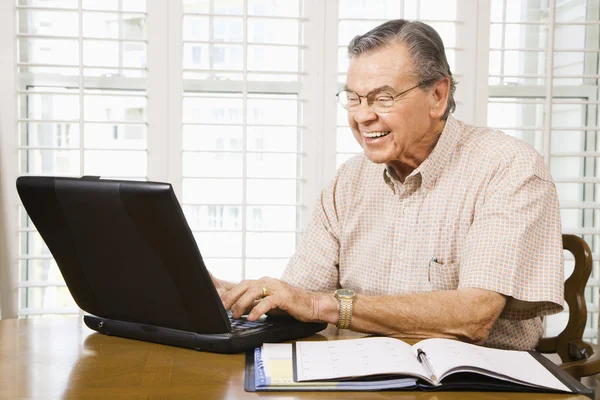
(369, 104)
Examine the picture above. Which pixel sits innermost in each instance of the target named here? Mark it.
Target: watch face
(348, 293)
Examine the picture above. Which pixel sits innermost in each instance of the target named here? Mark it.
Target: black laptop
(130, 260)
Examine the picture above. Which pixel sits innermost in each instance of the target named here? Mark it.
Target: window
(233, 102)
(543, 79)
(81, 101)
(242, 147)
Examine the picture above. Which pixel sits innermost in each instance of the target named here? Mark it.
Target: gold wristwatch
(346, 298)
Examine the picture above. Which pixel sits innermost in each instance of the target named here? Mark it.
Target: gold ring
(265, 291)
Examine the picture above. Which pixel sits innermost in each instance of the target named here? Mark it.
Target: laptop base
(280, 330)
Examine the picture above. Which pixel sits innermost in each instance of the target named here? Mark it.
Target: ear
(439, 98)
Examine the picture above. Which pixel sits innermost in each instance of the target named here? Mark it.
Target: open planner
(381, 363)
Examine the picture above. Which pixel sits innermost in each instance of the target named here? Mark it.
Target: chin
(376, 157)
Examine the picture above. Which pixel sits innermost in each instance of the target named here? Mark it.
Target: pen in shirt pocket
(435, 261)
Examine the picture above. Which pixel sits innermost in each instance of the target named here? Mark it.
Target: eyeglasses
(380, 101)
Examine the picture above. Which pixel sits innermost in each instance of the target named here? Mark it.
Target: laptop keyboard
(242, 324)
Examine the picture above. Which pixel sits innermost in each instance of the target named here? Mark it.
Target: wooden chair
(579, 358)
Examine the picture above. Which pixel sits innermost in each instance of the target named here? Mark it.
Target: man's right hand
(221, 285)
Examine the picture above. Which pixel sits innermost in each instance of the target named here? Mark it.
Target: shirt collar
(441, 154)
(434, 164)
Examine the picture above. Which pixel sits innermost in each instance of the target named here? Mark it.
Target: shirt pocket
(443, 276)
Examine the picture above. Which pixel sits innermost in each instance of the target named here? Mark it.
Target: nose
(364, 114)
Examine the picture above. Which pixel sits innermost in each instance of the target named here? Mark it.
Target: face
(401, 135)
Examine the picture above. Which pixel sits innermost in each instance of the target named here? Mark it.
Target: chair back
(569, 344)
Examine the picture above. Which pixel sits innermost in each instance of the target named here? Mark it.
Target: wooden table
(61, 358)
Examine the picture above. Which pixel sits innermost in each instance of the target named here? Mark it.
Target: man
(439, 230)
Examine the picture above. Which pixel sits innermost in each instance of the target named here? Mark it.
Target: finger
(262, 307)
(232, 296)
(254, 292)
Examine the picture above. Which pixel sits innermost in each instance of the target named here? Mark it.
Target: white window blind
(81, 110)
(243, 70)
(543, 77)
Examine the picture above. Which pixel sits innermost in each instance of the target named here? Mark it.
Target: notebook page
(445, 355)
(355, 357)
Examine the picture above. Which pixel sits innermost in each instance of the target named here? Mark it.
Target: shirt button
(401, 256)
(406, 211)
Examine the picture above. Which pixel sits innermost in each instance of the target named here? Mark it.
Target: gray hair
(424, 45)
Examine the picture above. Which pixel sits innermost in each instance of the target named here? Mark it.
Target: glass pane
(40, 134)
(114, 54)
(378, 9)
(219, 244)
(113, 25)
(534, 137)
(212, 191)
(46, 297)
(273, 31)
(518, 63)
(520, 11)
(570, 36)
(280, 8)
(49, 162)
(24, 220)
(505, 114)
(568, 115)
(567, 141)
(213, 110)
(572, 167)
(270, 244)
(264, 138)
(262, 112)
(438, 10)
(117, 136)
(271, 218)
(213, 217)
(229, 269)
(346, 143)
(349, 29)
(569, 63)
(67, 4)
(48, 23)
(228, 29)
(447, 31)
(272, 165)
(261, 191)
(114, 108)
(260, 58)
(48, 51)
(212, 137)
(32, 244)
(258, 268)
(212, 164)
(48, 106)
(195, 28)
(115, 163)
(40, 270)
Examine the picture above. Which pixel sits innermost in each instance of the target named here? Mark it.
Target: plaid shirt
(483, 205)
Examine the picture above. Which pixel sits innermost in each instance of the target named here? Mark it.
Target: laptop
(130, 260)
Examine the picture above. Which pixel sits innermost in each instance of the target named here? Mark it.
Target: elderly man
(439, 229)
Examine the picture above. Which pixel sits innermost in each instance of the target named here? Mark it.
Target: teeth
(375, 134)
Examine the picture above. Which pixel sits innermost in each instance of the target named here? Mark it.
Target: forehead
(390, 65)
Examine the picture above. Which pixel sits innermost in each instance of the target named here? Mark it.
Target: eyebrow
(378, 89)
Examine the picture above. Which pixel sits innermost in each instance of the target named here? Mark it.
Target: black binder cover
(458, 382)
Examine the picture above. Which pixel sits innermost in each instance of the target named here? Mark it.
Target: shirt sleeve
(514, 245)
(314, 265)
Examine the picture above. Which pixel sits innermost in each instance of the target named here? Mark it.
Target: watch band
(345, 313)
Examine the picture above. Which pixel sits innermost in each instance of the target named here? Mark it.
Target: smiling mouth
(374, 135)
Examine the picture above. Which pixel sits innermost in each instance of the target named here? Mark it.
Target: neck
(402, 168)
